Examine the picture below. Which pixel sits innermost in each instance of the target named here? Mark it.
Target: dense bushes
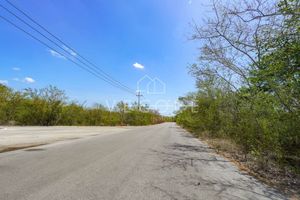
(48, 106)
(249, 83)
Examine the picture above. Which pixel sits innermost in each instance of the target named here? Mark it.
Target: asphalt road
(154, 162)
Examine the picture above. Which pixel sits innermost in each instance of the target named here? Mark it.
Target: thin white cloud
(190, 2)
(55, 54)
(24, 80)
(4, 82)
(28, 80)
(138, 66)
(16, 68)
(70, 51)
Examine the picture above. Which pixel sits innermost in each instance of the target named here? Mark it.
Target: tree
(122, 108)
(233, 40)
(248, 78)
(42, 107)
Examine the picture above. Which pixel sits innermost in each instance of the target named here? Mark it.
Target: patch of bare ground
(265, 170)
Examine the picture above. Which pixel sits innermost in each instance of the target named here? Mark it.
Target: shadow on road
(195, 167)
(37, 149)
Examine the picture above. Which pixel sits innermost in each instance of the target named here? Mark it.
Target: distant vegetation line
(49, 107)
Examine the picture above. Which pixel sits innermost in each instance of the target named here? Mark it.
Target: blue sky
(115, 35)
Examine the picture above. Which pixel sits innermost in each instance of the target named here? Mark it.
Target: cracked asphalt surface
(152, 162)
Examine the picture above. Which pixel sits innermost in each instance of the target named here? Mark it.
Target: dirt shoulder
(282, 179)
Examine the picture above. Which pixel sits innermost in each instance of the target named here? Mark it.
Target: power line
(96, 69)
(66, 45)
(54, 42)
(108, 80)
(61, 54)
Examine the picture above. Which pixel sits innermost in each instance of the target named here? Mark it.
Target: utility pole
(139, 95)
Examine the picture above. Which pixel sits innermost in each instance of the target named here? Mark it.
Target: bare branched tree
(233, 39)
